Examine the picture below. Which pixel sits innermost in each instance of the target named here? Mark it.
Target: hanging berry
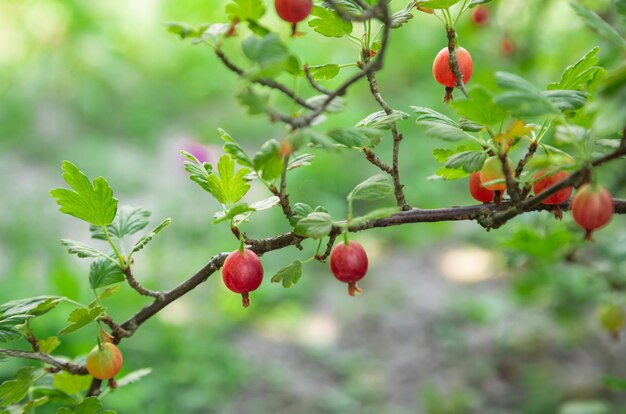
(592, 208)
(104, 361)
(293, 11)
(477, 190)
(348, 262)
(242, 273)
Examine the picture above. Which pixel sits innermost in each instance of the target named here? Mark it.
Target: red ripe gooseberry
(442, 71)
(480, 15)
(477, 190)
(293, 11)
(492, 170)
(242, 273)
(592, 208)
(104, 362)
(545, 180)
(348, 262)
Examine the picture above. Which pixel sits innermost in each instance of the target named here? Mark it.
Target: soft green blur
(104, 84)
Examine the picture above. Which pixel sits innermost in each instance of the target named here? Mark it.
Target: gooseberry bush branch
(491, 124)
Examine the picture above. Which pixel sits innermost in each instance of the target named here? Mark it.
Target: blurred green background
(453, 319)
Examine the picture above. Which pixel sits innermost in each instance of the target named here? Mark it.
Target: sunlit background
(453, 319)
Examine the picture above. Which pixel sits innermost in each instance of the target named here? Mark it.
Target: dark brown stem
(511, 185)
(282, 193)
(118, 331)
(373, 158)
(522, 163)
(454, 64)
(329, 248)
(140, 289)
(313, 83)
(46, 359)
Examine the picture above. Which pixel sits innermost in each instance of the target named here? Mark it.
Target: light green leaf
(289, 275)
(336, 105)
(469, 161)
(93, 203)
(129, 220)
(90, 405)
(269, 54)
(429, 116)
(374, 188)
(146, 238)
(301, 160)
(81, 317)
(9, 326)
(328, 23)
(243, 10)
(15, 390)
(49, 344)
(323, 72)
(356, 137)
(236, 151)
(256, 103)
(242, 209)
(103, 272)
(316, 225)
(480, 108)
(403, 16)
(583, 75)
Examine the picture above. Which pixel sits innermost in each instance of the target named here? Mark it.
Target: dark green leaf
(93, 203)
(469, 161)
(300, 211)
(104, 273)
(268, 162)
(82, 250)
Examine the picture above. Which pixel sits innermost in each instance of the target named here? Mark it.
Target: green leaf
(29, 407)
(600, 26)
(81, 317)
(48, 345)
(300, 211)
(52, 394)
(328, 23)
(255, 102)
(15, 390)
(230, 187)
(71, 384)
(268, 53)
(82, 250)
(427, 116)
(323, 72)
(584, 75)
(103, 272)
(35, 306)
(146, 238)
(316, 225)
(108, 292)
(524, 99)
(129, 220)
(336, 105)
(289, 275)
(243, 10)
(242, 209)
(356, 137)
(236, 151)
(301, 160)
(438, 4)
(374, 188)
(268, 162)
(133, 377)
(382, 120)
(9, 326)
(93, 203)
(183, 30)
(90, 405)
(567, 100)
(469, 161)
(403, 16)
(480, 108)
(199, 172)
(214, 32)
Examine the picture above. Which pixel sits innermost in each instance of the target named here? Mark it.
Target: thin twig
(140, 289)
(46, 359)
(314, 83)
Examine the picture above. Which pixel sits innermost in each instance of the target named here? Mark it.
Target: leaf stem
(120, 258)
